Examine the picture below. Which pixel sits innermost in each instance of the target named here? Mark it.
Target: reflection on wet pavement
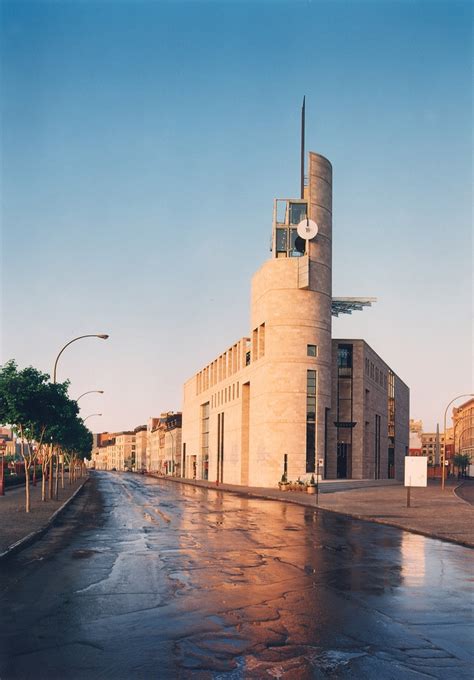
(181, 582)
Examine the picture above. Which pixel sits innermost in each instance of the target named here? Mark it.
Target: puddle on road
(83, 554)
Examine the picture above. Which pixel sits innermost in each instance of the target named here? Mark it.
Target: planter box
(311, 489)
(283, 487)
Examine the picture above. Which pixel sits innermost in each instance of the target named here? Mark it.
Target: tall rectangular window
(220, 447)
(311, 379)
(391, 424)
(344, 421)
(205, 435)
(255, 344)
(377, 447)
(261, 340)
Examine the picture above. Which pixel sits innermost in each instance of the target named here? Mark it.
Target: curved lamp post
(90, 416)
(89, 392)
(102, 336)
(443, 457)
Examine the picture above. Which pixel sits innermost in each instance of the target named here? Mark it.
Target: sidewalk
(16, 524)
(433, 513)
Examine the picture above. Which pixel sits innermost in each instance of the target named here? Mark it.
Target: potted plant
(300, 485)
(283, 483)
(311, 485)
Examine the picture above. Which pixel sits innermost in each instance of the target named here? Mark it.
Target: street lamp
(443, 456)
(89, 392)
(90, 416)
(102, 336)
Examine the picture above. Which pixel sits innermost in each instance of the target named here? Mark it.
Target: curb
(361, 518)
(460, 498)
(35, 535)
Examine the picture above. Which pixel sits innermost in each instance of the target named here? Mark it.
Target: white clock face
(307, 229)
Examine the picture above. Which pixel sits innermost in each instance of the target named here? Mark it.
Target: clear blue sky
(143, 144)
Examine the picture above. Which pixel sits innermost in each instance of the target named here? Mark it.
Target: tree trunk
(43, 480)
(50, 480)
(27, 487)
(56, 485)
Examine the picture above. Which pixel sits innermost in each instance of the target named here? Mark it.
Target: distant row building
(154, 447)
(438, 446)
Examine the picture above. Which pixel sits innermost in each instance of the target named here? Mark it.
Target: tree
(59, 431)
(30, 404)
(462, 460)
(75, 442)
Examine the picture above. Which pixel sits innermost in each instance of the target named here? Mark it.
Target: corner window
(297, 212)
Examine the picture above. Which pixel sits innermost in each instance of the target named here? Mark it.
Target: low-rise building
(164, 444)
(140, 448)
(463, 427)
(368, 428)
(115, 451)
(432, 446)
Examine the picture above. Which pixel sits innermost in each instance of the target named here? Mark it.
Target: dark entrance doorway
(342, 460)
(391, 462)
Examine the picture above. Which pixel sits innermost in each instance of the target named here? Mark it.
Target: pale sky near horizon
(143, 143)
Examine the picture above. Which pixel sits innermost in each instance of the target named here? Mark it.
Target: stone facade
(163, 453)
(269, 403)
(140, 448)
(116, 451)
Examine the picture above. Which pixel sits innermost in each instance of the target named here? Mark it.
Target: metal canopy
(347, 305)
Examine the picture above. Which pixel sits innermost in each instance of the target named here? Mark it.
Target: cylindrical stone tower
(290, 376)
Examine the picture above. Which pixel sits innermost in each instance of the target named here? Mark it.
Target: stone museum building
(288, 397)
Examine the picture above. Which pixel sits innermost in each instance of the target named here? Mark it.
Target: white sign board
(416, 470)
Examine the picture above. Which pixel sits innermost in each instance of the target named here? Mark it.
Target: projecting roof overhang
(347, 305)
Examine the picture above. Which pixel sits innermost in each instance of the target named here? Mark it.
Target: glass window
(297, 212)
(344, 356)
(312, 350)
(281, 240)
(297, 244)
(310, 409)
(281, 207)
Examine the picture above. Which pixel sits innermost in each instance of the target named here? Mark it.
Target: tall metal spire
(302, 145)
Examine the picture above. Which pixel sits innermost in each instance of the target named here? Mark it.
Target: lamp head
(103, 336)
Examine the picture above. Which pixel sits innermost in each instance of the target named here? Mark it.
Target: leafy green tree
(60, 430)
(30, 404)
(75, 442)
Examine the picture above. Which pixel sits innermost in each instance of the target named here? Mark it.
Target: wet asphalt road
(150, 579)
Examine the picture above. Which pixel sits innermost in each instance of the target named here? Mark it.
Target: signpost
(416, 473)
(319, 464)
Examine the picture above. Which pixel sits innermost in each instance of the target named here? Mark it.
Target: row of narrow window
(224, 366)
(236, 357)
(226, 395)
(375, 373)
